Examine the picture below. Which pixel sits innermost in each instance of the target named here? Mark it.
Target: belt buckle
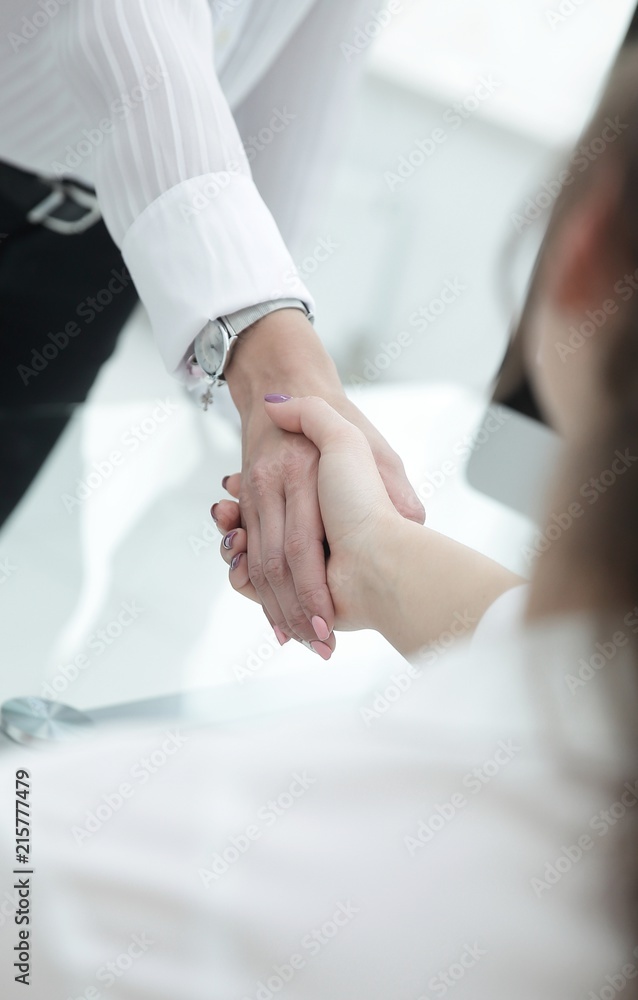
(62, 191)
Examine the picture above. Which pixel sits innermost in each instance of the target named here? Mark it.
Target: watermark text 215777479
(22, 917)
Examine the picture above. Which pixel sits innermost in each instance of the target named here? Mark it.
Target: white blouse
(195, 120)
(472, 839)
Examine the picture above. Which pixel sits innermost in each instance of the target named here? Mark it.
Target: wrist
(389, 577)
(280, 353)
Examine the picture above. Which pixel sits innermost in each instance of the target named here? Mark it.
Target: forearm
(421, 583)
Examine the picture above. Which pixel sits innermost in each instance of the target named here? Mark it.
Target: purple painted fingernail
(212, 512)
(235, 560)
(224, 481)
(276, 397)
(228, 540)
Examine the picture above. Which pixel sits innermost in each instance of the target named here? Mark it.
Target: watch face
(212, 348)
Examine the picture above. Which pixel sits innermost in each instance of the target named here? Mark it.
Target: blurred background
(111, 585)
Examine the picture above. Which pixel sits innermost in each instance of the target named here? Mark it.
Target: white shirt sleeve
(170, 170)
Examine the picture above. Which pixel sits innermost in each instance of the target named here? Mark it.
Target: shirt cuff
(205, 248)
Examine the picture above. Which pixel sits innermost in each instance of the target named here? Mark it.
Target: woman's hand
(384, 572)
(357, 514)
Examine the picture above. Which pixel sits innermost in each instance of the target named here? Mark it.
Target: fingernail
(324, 651)
(228, 539)
(212, 512)
(276, 397)
(319, 648)
(224, 481)
(321, 629)
(281, 638)
(235, 560)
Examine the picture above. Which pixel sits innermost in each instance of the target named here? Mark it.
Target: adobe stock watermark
(257, 657)
(603, 654)
(461, 452)
(579, 161)
(130, 441)
(120, 108)
(599, 825)
(302, 269)
(474, 781)
(57, 340)
(454, 117)
(310, 945)
(366, 33)
(31, 26)
(447, 978)
(265, 818)
(7, 569)
(217, 182)
(140, 773)
(111, 971)
(616, 982)
(422, 319)
(595, 319)
(222, 8)
(401, 681)
(97, 643)
(591, 491)
(562, 13)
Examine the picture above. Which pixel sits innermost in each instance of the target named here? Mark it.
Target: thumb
(316, 419)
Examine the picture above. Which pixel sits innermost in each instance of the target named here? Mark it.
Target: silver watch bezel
(227, 337)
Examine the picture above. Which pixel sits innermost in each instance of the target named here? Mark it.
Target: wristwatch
(215, 342)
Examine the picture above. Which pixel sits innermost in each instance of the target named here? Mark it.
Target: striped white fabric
(143, 99)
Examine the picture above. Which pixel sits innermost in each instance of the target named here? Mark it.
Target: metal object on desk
(38, 723)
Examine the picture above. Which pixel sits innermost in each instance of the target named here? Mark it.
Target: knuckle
(246, 502)
(391, 462)
(275, 569)
(260, 478)
(297, 618)
(311, 597)
(296, 546)
(299, 623)
(256, 574)
(295, 464)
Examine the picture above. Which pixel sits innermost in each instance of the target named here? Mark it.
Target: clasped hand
(314, 508)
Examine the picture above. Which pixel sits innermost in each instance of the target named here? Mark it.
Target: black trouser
(63, 301)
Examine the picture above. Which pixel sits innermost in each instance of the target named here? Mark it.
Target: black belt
(63, 205)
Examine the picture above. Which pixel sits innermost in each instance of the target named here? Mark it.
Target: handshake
(314, 533)
(327, 534)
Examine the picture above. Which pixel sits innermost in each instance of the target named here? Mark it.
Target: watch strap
(243, 318)
(233, 324)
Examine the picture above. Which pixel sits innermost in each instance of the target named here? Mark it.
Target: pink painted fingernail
(228, 539)
(324, 651)
(319, 648)
(276, 397)
(281, 638)
(321, 629)
(235, 560)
